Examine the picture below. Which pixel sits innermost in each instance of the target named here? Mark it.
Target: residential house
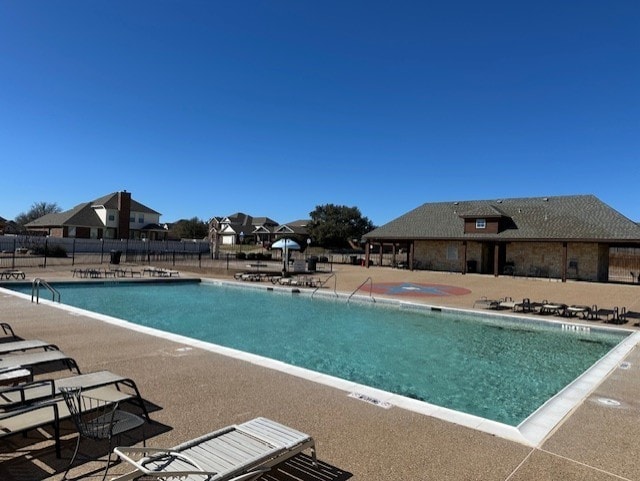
(560, 237)
(113, 216)
(242, 228)
(296, 229)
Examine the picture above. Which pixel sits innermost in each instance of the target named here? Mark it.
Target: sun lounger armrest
(34, 407)
(23, 390)
(128, 454)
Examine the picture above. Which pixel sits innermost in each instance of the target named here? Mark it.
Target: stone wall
(585, 261)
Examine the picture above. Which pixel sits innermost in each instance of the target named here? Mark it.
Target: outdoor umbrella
(286, 245)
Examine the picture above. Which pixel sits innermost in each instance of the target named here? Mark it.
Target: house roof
(110, 201)
(295, 227)
(81, 215)
(84, 214)
(577, 217)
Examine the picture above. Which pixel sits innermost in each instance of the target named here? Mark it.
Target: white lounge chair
(236, 453)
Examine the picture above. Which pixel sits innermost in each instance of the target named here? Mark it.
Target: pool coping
(533, 431)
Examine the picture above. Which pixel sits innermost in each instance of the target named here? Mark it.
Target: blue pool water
(494, 368)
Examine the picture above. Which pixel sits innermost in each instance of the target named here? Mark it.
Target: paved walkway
(192, 391)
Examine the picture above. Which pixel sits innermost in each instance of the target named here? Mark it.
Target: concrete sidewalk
(192, 391)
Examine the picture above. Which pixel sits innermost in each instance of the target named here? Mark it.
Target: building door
(489, 257)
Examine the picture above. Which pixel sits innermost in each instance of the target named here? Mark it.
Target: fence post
(199, 260)
(227, 261)
(174, 258)
(73, 253)
(101, 250)
(13, 256)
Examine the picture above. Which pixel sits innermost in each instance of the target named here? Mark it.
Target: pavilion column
(393, 255)
(367, 252)
(411, 253)
(496, 259)
(564, 262)
(464, 257)
(381, 252)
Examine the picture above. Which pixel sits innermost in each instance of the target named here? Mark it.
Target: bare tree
(38, 209)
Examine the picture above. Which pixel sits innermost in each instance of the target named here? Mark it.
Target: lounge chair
(49, 413)
(49, 389)
(38, 359)
(612, 316)
(631, 315)
(507, 303)
(235, 453)
(12, 274)
(486, 303)
(7, 330)
(26, 345)
(525, 306)
(555, 308)
(584, 311)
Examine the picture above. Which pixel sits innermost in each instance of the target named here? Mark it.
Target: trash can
(472, 266)
(311, 263)
(115, 257)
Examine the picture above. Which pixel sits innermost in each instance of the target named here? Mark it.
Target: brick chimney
(124, 213)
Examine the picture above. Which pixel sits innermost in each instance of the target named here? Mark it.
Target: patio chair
(97, 419)
(235, 453)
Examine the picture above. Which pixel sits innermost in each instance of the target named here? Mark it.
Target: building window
(112, 217)
(481, 223)
(141, 219)
(452, 252)
(132, 219)
(72, 232)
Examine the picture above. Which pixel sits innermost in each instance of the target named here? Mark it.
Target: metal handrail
(370, 281)
(335, 282)
(35, 288)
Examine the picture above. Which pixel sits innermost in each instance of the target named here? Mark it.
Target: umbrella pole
(284, 259)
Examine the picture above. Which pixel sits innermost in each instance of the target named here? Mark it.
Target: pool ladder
(35, 290)
(335, 281)
(367, 280)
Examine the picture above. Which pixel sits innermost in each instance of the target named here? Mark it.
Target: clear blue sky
(203, 108)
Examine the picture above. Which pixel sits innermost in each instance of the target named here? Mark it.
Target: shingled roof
(85, 215)
(566, 218)
(80, 215)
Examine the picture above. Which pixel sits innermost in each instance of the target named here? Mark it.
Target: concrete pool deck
(196, 391)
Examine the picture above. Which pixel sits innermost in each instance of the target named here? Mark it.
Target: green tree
(335, 226)
(190, 229)
(38, 209)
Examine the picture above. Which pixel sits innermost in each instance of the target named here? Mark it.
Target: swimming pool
(496, 368)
